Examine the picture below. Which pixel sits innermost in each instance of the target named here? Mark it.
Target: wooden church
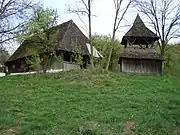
(139, 55)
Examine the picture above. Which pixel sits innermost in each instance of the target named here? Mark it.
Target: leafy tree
(4, 55)
(34, 62)
(78, 58)
(39, 29)
(172, 60)
(103, 44)
(58, 62)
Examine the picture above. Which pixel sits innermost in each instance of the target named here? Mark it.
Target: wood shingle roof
(66, 35)
(139, 33)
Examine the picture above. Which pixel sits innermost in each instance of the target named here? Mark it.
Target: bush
(103, 44)
(172, 61)
(3, 69)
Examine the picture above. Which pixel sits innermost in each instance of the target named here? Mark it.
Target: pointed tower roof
(139, 33)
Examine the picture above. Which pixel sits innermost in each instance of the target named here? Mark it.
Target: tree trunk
(44, 68)
(113, 37)
(111, 50)
(44, 71)
(109, 58)
(90, 36)
(162, 52)
(163, 46)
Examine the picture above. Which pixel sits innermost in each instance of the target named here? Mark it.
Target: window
(66, 56)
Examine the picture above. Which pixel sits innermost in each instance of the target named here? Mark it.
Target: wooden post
(127, 43)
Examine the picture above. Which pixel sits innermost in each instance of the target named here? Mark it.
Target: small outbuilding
(139, 55)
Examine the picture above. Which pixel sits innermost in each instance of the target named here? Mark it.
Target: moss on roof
(137, 53)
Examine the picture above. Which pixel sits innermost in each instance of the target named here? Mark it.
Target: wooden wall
(141, 66)
(17, 66)
(20, 66)
(70, 65)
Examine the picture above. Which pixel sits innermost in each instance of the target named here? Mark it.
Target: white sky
(102, 22)
(104, 12)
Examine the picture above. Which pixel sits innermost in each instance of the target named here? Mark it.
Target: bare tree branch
(85, 10)
(13, 15)
(165, 17)
(122, 16)
(120, 12)
(86, 6)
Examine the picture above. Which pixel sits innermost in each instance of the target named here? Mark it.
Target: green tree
(103, 44)
(39, 29)
(4, 55)
(78, 58)
(34, 62)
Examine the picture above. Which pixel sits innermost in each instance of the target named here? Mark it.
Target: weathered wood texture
(141, 66)
(69, 66)
(17, 66)
(67, 63)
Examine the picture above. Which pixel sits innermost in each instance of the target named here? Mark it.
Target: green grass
(106, 104)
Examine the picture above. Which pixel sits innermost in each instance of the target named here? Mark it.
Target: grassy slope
(67, 104)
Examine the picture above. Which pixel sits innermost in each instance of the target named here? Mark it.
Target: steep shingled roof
(139, 33)
(66, 35)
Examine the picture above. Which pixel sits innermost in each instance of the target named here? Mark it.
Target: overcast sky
(104, 13)
(102, 22)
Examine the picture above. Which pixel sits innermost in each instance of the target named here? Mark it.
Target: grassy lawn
(106, 104)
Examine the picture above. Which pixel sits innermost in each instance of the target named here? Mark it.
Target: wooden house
(139, 55)
(67, 35)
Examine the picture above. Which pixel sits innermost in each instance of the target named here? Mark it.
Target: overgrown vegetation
(172, 60)
(4, 55)
(34, 62)
(103, 45)
(39, 29)
(77, 56)
(98, 103)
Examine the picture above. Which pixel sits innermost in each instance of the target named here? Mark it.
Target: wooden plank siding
(70, 65)
(141, 66)
(67, 63)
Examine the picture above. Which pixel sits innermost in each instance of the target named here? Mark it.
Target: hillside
(76, 103)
